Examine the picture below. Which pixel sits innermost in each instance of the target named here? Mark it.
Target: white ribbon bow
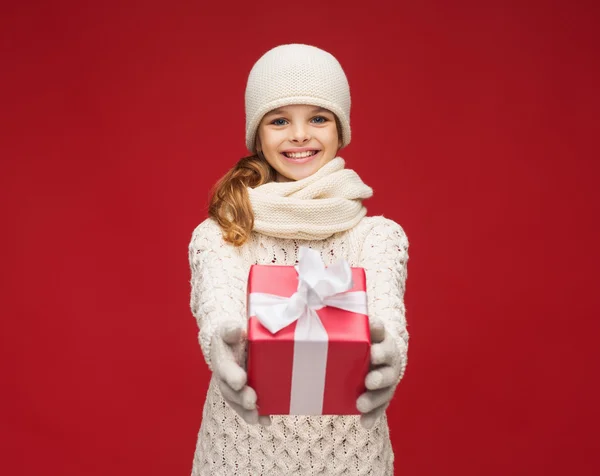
(318, 287)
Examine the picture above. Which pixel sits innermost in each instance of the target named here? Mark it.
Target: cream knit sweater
(293, 445)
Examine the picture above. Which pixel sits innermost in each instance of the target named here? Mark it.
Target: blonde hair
(230, 204)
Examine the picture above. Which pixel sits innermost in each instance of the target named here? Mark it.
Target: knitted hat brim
(288, 101)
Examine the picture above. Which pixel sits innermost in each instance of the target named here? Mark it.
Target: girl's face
(298, 140)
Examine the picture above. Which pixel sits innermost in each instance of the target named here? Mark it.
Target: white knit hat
(296, 74)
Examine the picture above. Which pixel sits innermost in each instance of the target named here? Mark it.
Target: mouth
(300, 155)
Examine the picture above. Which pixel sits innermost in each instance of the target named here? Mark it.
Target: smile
(300, 155)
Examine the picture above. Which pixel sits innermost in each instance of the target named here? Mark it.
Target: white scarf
(313, 208)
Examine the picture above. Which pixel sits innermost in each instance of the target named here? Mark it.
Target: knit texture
(296, 74)
(293, 445)
(316, 207)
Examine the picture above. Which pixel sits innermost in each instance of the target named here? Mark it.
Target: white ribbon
(318, 287)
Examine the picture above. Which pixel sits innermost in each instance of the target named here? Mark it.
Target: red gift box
(333, 376)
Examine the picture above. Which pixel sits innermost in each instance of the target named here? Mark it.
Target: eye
(319, 119)
(278, 122)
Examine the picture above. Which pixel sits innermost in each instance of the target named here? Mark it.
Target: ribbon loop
(318, 287)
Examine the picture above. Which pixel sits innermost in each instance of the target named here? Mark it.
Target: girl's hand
(227, 350)
(381, 381)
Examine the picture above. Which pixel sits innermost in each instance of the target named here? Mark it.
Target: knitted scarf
(313, 208)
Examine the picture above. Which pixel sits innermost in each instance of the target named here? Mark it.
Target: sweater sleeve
(218, 283)
(384, 257)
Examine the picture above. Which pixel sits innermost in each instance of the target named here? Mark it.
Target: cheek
(270, 142)
(333, 141)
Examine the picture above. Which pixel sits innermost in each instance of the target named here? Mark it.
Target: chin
(299, 172)
(299, 175)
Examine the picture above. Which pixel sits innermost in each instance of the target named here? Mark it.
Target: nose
(299, 134)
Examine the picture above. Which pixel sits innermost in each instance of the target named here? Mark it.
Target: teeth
(300, 155)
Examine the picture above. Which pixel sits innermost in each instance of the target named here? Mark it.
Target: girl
(294, 191)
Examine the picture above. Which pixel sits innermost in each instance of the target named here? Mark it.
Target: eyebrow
(282, 110)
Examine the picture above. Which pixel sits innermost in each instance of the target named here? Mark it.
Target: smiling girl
(294, 190)
(298, 140)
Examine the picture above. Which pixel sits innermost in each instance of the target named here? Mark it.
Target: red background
(476, 124)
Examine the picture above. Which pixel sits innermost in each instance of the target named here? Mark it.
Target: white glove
(227, 355)
(381, 381)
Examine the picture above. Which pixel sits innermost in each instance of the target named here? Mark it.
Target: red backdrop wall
(477, 126)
